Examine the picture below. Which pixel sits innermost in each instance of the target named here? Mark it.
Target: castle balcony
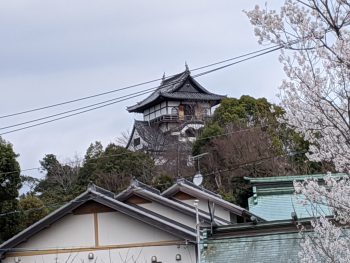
(180, 119)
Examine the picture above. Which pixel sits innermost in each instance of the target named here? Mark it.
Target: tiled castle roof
(181, 86)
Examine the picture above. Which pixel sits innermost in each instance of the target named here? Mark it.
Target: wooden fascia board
(23, 253)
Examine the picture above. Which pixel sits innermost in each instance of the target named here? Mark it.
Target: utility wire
(171, 144)
(125, 98)
(70, 115)
(128, 87)
(85, 107)
(159, 184)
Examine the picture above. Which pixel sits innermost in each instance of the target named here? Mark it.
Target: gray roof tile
(170, 89)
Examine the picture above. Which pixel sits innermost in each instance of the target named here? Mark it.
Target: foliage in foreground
(315, 40)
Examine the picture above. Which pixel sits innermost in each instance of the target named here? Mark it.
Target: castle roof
(181, 86)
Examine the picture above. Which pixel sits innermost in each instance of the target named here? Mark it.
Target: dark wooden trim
(136, 200)
(97, 242)
(183, 196)
(91, 207)
(85, 249)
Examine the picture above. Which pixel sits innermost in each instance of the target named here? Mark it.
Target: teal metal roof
(290, 178)
(280, 207)
(263, 249)
(274, 199)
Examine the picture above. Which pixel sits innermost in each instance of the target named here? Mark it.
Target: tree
(10, 183)
(60, 182)
(316, 94)
(314, 37)
(246, 139)
(114, 167)
(32, 209)
(330, 241)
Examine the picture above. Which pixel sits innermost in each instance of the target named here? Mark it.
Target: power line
(70, 115)
(85, 107)
(159, 184)
(170, 144)
(128, 87)
(126, 98)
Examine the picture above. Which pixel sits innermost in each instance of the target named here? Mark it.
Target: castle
(179, 107)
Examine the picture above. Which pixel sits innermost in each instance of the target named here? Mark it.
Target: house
(178, 107)
(140, 224)
(274, 199)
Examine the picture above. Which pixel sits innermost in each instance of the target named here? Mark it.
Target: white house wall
(170, 213)
(112, 237)
(203, 205)
(117, 228)
(164, 254)
(70, 231)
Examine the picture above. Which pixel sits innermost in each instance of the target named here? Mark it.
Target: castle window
(190, 132)
(137, 141)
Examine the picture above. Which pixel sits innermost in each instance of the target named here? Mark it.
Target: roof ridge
(201, 188)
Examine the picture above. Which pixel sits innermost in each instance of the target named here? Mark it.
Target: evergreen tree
(10, 183)
(245, 138)
(114, 167)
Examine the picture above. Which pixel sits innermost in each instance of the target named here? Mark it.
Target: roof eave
(140, 107)
(88, 195)
(198, 193)
(46, 221)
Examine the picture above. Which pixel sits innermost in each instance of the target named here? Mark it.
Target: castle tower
(179, 107)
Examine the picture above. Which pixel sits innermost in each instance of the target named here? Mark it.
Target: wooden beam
(88, 249)
(96, 230)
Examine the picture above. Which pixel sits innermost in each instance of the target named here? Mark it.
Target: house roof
(181, 86)
(106, 198)
(280, 206)
(290, 178)
(147, 192)
(251, 229)
(274, 241)
(274, 199)
(188, 187)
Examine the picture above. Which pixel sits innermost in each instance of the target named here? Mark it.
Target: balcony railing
(184, 118)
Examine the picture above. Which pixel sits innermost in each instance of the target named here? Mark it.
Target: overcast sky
(53, 51)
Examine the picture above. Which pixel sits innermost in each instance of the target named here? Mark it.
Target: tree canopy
(10, 183)
(245, 138)
(314, 37)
